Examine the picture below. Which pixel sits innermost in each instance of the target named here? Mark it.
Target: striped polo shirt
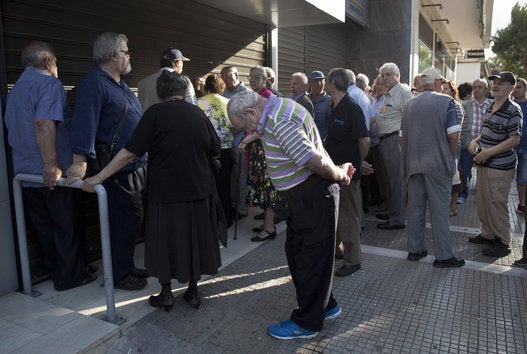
(498, 127)
(290, 138)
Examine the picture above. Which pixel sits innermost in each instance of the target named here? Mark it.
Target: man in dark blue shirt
(103, 100)
(347, 141)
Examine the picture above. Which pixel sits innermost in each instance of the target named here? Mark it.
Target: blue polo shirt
(36, 95)
(322, 113)
(100, 103)
(228, 94)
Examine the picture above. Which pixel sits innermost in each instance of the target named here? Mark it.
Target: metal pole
(238, 173)
(105, 237)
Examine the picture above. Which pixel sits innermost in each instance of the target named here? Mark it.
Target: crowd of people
(318, 158)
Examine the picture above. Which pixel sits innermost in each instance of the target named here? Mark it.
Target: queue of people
(314, 159)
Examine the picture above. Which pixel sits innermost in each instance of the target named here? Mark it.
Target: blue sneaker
(289, 330)
(333, 313)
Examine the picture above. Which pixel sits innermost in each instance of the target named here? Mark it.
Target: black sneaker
(139, 273)
(480, 240)
(131, 283)
(414, 257)
(449, 263)
(499, 249)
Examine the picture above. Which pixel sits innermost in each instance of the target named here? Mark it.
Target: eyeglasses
(126, 52)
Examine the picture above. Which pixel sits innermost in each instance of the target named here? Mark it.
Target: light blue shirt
(364, 102)
(228, 94)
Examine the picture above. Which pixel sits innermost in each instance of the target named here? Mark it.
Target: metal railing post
(105, 237)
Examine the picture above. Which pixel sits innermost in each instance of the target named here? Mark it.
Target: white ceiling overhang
(464, 23)
(284, 13)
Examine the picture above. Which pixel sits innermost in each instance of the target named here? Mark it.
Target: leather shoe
(416, 256)
(499, 249)
(389, 226)
(480, 240)
(382, 216)
(131, 283)
(449, 263)
(139, 273)
(346, 270)
(261, 238)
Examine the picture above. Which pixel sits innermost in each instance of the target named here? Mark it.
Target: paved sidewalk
(390, 306)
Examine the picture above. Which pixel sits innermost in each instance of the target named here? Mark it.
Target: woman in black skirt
(181, 226)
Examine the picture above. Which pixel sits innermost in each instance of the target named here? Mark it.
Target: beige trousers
(492, 195)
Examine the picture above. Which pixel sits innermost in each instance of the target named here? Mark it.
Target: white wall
(467, 72)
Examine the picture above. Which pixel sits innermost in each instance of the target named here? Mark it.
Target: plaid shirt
(479, 113)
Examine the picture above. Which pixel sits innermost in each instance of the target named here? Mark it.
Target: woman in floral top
(215, 107)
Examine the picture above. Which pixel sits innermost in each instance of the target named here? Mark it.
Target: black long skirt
(180, 241)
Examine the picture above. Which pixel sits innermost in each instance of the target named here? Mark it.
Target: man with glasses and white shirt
(107, 110)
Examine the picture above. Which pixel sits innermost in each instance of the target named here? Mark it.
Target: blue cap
(316, 75)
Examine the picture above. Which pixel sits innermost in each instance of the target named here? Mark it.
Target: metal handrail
(105, 237)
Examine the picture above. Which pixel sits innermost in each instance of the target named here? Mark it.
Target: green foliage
(510, 43)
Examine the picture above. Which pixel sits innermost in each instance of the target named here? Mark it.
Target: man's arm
(45, 131)
(504, 146)
(453, 140)
(325, 168)
(364, 147)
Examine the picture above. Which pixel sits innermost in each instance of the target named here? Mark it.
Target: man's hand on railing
(51, 174)
(76, 172)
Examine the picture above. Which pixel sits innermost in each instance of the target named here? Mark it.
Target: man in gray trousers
(430, 130)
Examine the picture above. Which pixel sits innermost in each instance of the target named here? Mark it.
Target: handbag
(103, 151)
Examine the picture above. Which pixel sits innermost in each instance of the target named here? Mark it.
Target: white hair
(242, 100)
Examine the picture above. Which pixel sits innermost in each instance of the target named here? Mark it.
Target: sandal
(259, 238)
(258, 228)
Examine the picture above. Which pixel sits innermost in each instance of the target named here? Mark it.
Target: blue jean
(466, 161)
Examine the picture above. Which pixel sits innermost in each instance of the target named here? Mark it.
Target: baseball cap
(172, 53)
(505, 76)
(431, 74)
(316, 75)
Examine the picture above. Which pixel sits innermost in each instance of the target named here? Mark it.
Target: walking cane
(238, 173)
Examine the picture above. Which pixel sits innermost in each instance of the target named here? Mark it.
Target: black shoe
(162, 301)
(240, 216)
(499, 249)
(139, 273)
(131, 283)
(522, 263)
(388, 226)
(259, 216)
(91, 269)
(480, 240)
(88, 278)
(339, 256)
(449, 263)
(383, 216)
(259, 238)
(416, 256)
(192, 298)
(347, 270)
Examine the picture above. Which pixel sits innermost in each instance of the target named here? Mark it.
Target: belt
(388, 135)
(310, 181)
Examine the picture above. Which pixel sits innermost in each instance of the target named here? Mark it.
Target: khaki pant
(492, 194)
(349, 223)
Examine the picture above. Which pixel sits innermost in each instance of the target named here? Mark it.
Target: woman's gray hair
(239, 102)
(36, 54)
(391, 67)
(106, 44)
